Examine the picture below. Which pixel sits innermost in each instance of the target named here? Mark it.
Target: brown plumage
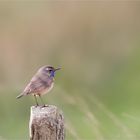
(41, 83)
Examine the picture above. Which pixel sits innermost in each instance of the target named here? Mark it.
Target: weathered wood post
(46, 123)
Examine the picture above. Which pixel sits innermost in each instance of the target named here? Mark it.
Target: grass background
(97, 45)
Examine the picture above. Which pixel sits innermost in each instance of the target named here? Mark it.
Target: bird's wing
(36, 85)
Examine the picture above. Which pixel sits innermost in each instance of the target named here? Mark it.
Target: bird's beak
(57, 69)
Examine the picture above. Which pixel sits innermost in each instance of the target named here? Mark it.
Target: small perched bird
(41, 83)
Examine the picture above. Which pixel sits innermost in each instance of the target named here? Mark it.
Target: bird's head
(49, 70)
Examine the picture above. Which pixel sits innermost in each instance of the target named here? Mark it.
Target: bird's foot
(44, 105)
(36, 105)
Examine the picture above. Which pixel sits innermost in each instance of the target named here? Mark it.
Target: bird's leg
(36, 100)
(42, 100)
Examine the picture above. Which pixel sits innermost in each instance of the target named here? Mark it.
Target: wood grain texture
(46, 123)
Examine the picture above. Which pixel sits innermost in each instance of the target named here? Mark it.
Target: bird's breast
(49, 88)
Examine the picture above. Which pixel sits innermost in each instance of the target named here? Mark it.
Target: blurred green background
(97, 44)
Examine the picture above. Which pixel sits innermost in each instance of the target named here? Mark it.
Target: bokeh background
(97, 44)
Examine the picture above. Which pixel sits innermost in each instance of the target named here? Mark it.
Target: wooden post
(46, 123)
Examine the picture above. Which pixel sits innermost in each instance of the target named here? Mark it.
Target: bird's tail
(19, 96)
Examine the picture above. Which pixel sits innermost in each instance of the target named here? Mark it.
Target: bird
(41, 83)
